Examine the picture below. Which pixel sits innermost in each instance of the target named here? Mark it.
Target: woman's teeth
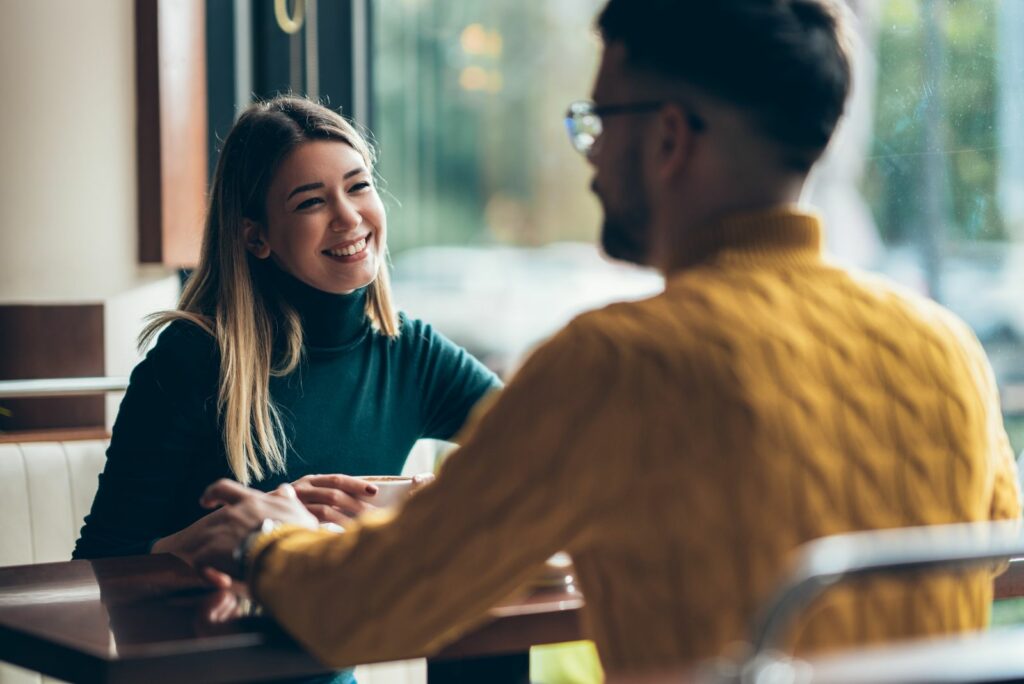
(354, 248)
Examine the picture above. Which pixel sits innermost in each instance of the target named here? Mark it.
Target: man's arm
(1006, 502)
(523, 487)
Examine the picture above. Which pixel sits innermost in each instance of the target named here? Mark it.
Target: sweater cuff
(259, 549)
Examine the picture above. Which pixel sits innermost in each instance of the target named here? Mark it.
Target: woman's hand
(281, 504)
(334, 498)
(184, 543)
(331, 498)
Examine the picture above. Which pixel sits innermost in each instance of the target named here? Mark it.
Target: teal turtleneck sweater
(355, 405)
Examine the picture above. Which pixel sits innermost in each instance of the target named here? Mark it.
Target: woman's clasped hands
(325, 499)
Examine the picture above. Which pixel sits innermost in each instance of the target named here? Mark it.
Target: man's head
(732, 103)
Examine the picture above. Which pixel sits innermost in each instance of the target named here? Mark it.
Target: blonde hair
(228, 298)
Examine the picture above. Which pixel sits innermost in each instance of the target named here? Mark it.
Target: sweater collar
(784, 235)
(329, 321)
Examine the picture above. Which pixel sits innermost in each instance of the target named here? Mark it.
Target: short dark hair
(785, 61)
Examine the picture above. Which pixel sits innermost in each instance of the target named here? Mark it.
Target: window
(491, 225)
(940, 163)
(924, 182)
(469, 99)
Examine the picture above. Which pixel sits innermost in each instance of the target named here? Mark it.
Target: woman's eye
(306, 204)
(362, 185)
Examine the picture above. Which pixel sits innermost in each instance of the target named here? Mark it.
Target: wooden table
(145, 619)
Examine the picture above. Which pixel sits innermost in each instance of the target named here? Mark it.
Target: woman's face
(325, 222)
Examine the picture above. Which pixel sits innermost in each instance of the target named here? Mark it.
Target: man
(680, 447)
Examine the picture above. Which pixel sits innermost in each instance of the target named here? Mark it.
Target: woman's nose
(346, 216)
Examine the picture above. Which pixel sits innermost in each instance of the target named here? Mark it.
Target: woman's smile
(347, 252)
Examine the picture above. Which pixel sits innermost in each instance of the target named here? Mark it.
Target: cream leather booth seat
(46, 489)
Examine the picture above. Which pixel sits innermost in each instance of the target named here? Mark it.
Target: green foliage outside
(468, 105)
(1008, 612)
(964, 60)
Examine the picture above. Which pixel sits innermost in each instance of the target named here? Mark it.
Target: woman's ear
(255, 239)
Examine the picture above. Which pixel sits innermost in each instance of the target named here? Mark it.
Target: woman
(285, 358)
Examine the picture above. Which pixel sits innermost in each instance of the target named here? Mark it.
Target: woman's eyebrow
(354, 172)
(304, 188)
(313, 186)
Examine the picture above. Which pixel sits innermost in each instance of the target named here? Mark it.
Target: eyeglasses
(583, 120)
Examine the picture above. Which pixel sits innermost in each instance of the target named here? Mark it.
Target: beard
(621, 240)
(625, 232)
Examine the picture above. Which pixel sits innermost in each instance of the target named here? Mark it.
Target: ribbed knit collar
(329, 321)
(783, 235)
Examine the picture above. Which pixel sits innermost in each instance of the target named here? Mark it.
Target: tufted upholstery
(46, 489)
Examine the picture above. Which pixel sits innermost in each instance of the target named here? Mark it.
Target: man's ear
(255, 239)
(676, 140)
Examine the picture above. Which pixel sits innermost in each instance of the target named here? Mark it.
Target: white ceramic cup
(391, 489)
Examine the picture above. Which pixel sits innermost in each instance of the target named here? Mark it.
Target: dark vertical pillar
(221, 72)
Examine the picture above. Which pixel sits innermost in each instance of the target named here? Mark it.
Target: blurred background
(492, 225)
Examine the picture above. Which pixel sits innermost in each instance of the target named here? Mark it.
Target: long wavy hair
(227, 297)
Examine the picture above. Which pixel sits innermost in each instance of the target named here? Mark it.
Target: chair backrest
(824, 562)
(46, 489)
(979, 658)
(818, 565)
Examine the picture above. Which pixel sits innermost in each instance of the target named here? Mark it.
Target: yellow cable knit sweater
(678, 448)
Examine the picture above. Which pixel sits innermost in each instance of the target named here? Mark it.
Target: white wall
(67, 151)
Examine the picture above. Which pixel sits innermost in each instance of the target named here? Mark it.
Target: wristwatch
(241, 551)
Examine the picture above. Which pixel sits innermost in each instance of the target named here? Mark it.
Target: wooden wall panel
(170, 45)
(51, 341)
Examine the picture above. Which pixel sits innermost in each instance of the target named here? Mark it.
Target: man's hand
(242, 511)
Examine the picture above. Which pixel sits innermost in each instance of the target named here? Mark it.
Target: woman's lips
(350, 249)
